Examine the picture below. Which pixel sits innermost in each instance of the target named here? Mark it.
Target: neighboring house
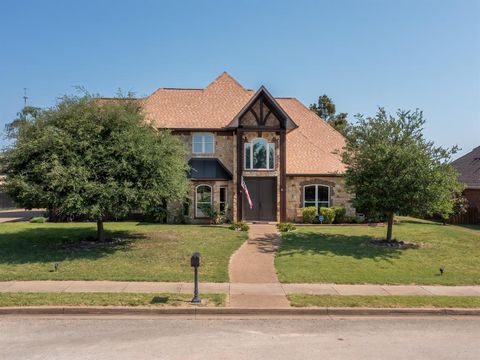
(469, 168)
(287, 156)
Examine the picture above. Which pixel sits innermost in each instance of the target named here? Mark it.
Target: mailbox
(195, 260)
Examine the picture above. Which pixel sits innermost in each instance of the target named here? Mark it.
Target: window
(316, 195)
(203, 143)
(223, 201)
(259, 155)
(203, 204)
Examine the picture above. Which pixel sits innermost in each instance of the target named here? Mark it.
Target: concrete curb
(222, 311)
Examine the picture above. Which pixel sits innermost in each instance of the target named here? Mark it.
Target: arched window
(259, 155)
(316, 195)
(203, 200)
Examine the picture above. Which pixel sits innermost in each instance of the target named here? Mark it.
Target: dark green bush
(340, 214)
(309, 214)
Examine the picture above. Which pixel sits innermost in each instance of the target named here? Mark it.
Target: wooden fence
(472, 216)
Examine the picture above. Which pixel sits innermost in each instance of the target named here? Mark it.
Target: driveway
(19, 214)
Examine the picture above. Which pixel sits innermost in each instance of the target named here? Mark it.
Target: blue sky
(364, 54)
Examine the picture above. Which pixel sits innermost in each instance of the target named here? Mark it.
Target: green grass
(104, 299)
(146, 252)
(303, 300)
(344, 255)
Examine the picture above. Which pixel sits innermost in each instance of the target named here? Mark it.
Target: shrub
(309, 214)
(286, 227)
(239, 226)
(340, 214)
(38, 220)
(328, 214)
(156, 214)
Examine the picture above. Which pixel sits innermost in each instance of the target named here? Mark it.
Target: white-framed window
(223, 200)
(259, 155)
(316, 195)
(203, 143)
(203, 200)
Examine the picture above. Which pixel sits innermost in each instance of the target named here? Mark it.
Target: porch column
(239, 174)
(283, 175)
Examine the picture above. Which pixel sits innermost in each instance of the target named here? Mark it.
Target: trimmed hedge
(328, 214)
(340, 214)
(309, 213)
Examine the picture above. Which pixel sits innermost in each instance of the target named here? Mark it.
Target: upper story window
(203, 143)
(259, 155)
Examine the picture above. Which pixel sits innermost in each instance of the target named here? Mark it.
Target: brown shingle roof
(469, 168)
(211, 108)
(311, 148)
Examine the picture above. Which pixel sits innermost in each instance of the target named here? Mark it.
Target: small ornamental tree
(92, 158)
(392, 169)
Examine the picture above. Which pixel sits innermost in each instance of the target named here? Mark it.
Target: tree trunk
(100, 231)
(390, 226)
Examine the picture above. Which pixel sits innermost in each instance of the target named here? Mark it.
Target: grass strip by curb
(305, 300)
(106, 299)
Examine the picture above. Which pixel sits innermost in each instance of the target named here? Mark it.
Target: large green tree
(92, 158)
(326, 109)
(393, 169)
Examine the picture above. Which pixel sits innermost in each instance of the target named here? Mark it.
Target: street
(170, 338)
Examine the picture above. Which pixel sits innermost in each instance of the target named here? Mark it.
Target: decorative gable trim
(274, 107)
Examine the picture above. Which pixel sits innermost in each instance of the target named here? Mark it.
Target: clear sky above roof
(364, 54)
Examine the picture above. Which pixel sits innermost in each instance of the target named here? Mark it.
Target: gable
(262, 111)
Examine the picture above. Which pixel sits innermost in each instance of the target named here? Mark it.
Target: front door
(263, 192)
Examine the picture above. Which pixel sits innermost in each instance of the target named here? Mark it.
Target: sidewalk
(253, 289)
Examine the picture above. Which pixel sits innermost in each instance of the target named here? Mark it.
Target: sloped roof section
(469, 168)
(313, 146)
(210, 108)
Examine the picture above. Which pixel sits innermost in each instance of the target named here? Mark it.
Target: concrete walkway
(252, 267)
(259, 289)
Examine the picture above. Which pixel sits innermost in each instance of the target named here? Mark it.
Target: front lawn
(304, 300)
(106, 299)
(143, 252)
(345, 255)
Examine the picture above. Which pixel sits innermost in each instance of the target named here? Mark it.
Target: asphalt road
(323, 338)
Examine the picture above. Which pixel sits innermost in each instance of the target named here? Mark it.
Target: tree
(325, 108)
(91, 158)
(392, 169)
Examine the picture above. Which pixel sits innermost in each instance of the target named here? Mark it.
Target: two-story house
(287, 156)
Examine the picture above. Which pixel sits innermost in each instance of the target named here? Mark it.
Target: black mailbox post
(195, 263)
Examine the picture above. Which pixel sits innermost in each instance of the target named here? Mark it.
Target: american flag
(245, 190)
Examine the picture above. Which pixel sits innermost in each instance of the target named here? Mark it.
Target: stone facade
(338, 195)
(271, 137)
(226, 152)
